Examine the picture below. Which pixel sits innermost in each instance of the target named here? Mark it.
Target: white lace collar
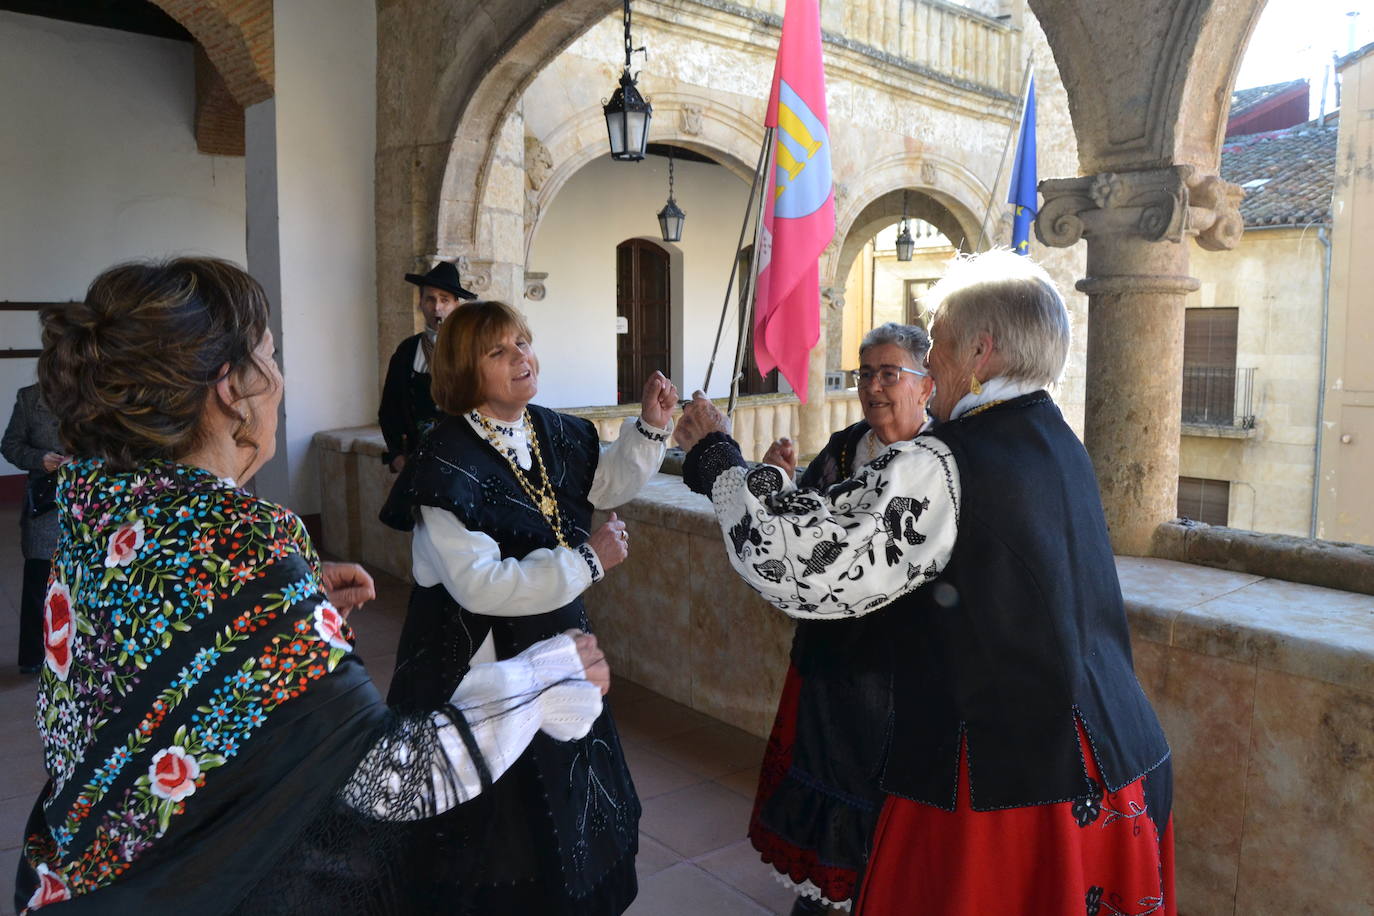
(509, 438)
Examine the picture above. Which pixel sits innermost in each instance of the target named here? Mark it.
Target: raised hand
(659, 400)
(782, 453)
(610, 542)
(347, 585)
(700, 418)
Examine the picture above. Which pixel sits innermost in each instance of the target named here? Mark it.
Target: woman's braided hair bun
(126, 372)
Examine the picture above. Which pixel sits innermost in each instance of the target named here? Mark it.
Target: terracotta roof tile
(1288, 175)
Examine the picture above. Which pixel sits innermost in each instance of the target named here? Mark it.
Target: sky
(1296, 38)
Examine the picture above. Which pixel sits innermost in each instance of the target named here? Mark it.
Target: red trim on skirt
(1035, 860)
(796, 862)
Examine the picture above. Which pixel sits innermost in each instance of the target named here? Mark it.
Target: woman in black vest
(501, 494)
(1025, 770)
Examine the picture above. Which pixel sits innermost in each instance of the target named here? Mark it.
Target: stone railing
(758, 419)
(355, 483)
(942, 38)
(1265, 689)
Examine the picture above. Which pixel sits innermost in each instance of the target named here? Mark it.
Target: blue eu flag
(1022, 191)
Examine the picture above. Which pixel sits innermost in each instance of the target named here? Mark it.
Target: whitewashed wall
(98, 164)
(602, 205)
(310, 158)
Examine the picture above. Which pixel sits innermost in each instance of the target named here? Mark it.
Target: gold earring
(977, 386)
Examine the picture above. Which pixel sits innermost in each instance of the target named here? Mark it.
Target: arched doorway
(644, 314)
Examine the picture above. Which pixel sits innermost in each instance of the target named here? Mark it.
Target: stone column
(1136, 225)
(814, 416)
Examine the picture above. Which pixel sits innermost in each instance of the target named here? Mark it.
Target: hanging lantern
(628, 113)
(905, 243)
(671, 217)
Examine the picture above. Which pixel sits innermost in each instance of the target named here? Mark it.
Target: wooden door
(643, 305)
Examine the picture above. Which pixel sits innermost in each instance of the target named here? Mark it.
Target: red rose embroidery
(51, 889)
(173, 773)
(329, 624)
(124, 543)
(57, 630)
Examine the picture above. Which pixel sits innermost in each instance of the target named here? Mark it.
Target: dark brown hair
(465, 336)
(127, 371)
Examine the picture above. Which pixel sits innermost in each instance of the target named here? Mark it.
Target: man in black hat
(407, 410)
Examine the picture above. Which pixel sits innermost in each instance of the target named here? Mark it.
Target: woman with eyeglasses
(818, 797)
(1023, 768)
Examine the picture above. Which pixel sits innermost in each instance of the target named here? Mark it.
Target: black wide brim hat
(444, 276)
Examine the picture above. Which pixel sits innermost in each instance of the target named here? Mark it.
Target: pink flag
(799, 209)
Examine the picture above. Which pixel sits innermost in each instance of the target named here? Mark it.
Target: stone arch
(728, 136)
(945, 194)
(236, 36)
(465, 125)
(1151, 88)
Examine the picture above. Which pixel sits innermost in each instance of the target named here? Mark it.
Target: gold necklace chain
(543, 496)
(982, 407)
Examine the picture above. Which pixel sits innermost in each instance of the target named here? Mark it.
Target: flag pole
(754, 188)
(1001, 165)
(750, 287)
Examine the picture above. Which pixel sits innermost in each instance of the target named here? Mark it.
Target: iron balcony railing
(1219, 397)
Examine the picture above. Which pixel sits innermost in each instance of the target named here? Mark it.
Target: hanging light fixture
(905, 243)
(628, 113)
(671, 217)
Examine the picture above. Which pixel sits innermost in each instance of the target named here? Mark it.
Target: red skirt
(1071, 858)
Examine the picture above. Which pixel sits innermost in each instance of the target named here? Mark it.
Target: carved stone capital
(834, 295)
(476, 275)
(1158, 205)
(535, 290)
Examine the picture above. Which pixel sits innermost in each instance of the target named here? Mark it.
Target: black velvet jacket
(407, 408)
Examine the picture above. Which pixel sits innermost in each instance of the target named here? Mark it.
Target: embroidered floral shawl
(194, 696)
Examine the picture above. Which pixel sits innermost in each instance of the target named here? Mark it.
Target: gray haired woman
(980, 553)
(31, 444)
(818, 797)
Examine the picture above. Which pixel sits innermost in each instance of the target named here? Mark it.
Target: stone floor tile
(655, 775)
(684, 889)
(696, 820)
(656, 719)
(740, 867)
(744, 782)
(653, 857)
(9, 864)
(14, 814)
(712, 750)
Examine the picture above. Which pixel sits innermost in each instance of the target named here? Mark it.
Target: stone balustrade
(355, 483)
(1265, 689)
(943, 38)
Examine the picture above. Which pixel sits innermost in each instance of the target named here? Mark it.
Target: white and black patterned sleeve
(847, 550)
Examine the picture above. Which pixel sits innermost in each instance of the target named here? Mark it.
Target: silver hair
(1011, 299)
(911, 338)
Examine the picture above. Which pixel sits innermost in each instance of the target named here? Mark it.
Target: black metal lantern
(628, 113)
(905, 243)
(671, 217)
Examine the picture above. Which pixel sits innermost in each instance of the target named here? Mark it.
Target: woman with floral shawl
(213, 743)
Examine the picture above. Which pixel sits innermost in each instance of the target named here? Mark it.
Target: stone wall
(1265, 689)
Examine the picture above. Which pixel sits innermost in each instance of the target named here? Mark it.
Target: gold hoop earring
(977, 386)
